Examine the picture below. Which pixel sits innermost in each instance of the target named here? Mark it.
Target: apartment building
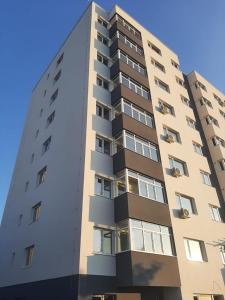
(118, 187)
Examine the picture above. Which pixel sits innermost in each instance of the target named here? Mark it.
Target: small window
(218, 141)
(164, 107)
(50, 118)
(32, 158)
(222, 164)
(102, 82)
(102, 187)
(158, 65)
(219, 100)
(154, 48)
(180, 81)
(103, 145)
(162, 85)
(191, 123)
(210, 120)
(46, 145)
(57, 76)
(36, 133)
(206, 178)
(197, 148)
(102, 241)
(194, 250)
(36, 212)
(102, 39)
(27, 186)
(205, 101)
(103, 111)
(178, 164)
(222, 113)
(45, 91)
(102, 22)
(102, 59)
(41, 176)
(175, 64)
(54, 96)
(186, 202)
(185, 101)
(29, 253)
(215, 213)
(198, 84)
(168, 132)
(60, 59)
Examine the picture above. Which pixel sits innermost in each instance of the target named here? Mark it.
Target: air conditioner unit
(169, 138)
(176, 172)
(163, 109)
(184, 213)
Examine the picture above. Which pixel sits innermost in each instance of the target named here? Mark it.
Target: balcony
(127, 159)
(126, 122)
(122, 91)
(146, 269)
(118, 44)
(120, 66)
(118, 26)
(132, 206)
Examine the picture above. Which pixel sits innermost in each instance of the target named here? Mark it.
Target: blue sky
(32, 31)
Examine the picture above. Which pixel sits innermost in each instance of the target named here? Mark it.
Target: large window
(102, 111)
(102, 82)
(172, 134)
(102, 241)
(102, 187)
(178, 164)
(215, 213)
(128, 42)
(142, 236)
(134, 112)
(138, 184)
(129, 61)
(186, 202)
(138, 145)
(194, 250)
(132, 85)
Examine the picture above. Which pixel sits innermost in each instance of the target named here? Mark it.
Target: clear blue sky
(32, 31)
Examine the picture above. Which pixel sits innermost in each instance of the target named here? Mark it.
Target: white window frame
(102, 149)
(189, 251)
(102, 192)
(174, 160)
(128, 42)
(164, 86)
(102, 230)
(204, 176)
(215, 213)
(197, 148)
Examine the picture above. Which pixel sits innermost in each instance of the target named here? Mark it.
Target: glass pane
(146, 151)
(139, 92)
(123, 239)
(98, 110)
(107, 188)
(157, 243)
(138, 241)
(143, 189)
(154, 154)
(130, 143)
(136, 223)
(98, 144)
(159, 194)
(167, 248)
(149, 121)
(145, 94)
(142, 118)
(195, 250)
(106, 114)
(132, 86)
(151, 227)
(139, 148)
(127, 109)
(186, 203)
(133, 185)
(135, 114)
(97, 240)
(148, 241)
(106, 147)
(98, 186)
(151, 192)
(125, 81)
(107, 242)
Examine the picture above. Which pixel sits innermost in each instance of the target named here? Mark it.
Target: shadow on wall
(144, 276)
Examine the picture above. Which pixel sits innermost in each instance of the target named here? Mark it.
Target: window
(166, 108)
(103, 145)
(193, 249)
(26, 186)
(218, 141)
(222, 252)
(57, 76)
(210, 120)
(154, 48)
(185, 101)
(41, 176)
(134, 112)
(36, 133)
(36, 212)
(132, 85)
(198, 84)
(50, 118)
(178, 164)
(180, 81)
(102, 22)
(215, 213)
(141, 185)
(143, 236)
(191, 123)
(46, 145)
(128, 26)
(32, 158)
(175, 64)
(102, 187)
(102, 82)
(162, 85)
(158, 65)
(174, 134)
(102, 111)
(222, 113)
(29, 253)
(102, 59)
(45, 91)
(197, 148)
(140, 146)
(222, 164)
(102, 39)
(206, 178)
(54, 96)
(127, 42)
(41, 112)
(186, 202)
(129, 61)
(20, 219)
(103, 241)
(60, 59)
(219, 100)
(205, 101)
